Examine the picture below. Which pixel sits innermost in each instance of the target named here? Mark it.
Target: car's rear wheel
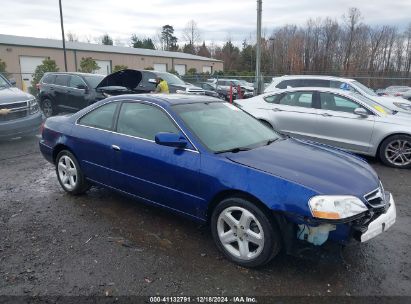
(69, 173)
(244, 233)
(47, 107)
(395, 151)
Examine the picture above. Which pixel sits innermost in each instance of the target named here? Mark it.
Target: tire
(395, 151)
(244, 233)
(69, 174)
(48, 108)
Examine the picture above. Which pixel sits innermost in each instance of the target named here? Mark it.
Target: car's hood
(321, 168)
(391, 99)
(12, 94)
(127, 78)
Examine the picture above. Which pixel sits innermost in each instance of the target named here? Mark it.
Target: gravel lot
(103, 243)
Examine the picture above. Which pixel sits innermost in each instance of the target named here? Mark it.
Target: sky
(216, 19)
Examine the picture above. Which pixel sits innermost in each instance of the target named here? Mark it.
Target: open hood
(125, 80)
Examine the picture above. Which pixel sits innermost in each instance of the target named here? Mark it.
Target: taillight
(397, 94)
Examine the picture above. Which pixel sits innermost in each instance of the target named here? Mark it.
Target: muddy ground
(103, 243)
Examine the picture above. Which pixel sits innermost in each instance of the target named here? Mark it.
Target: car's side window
(292, 83)
(297, 99)
(316, 83)
(338, 103)
(49, 79)
(102, 117)
(76, 81)
(273, 98)
(144, 121)
(62, 80)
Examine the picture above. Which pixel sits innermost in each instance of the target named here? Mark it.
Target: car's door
(339, 126)
(76, 93)
(92, 136)
(60, 91)
(293, 113)
(161, 174)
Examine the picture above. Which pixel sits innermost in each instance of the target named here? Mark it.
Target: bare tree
(352, 21)
(70, 36)
(191, 33)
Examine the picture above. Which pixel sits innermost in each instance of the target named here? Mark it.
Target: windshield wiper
(270, 141)
(233, 150)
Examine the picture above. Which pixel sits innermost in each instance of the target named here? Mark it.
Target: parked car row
(70, 92)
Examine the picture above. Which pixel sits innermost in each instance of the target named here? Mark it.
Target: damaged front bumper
(362, 228)
(378, 225)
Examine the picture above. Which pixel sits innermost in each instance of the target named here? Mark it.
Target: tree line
(345, 47)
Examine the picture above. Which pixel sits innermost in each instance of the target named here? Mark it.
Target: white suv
(297, 81)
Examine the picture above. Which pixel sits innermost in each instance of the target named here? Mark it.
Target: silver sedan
(339, 118)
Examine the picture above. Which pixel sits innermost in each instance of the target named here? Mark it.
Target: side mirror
(171, 140)
(361, 111)
(12, 82)
(152, 80)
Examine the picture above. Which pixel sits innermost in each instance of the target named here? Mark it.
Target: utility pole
(258, 89)
(64, 40)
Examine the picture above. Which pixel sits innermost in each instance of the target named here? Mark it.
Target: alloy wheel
(398, 152)
(67, 172)
(240, 233)
(47, 108)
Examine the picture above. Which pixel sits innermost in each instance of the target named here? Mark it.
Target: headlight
(107, 94)
(180, 92)
(335, 207)
(33, 106)
(402, 105)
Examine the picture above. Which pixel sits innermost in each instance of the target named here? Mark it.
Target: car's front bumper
(20, 127)
(381, 224)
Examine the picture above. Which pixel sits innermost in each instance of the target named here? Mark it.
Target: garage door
(104, 67)
(180, 69)
(160, 67)
(27, 67)
(207, 69)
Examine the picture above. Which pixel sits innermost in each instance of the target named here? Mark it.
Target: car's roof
(320, 89)
(313, 76)
(167, 99)
(76, 73)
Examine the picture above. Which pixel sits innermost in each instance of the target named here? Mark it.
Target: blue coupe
(212, 162)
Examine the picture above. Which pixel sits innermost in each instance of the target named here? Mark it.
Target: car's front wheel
(244, 233)
(69, 173)
(395, 151)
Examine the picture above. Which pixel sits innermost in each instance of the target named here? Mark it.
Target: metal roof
(82, 46)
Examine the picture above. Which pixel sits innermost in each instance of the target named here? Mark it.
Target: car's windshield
(171, 79)
(94, 80)
(3, 83)
(223, 127)
(373, 104)
(365, 89)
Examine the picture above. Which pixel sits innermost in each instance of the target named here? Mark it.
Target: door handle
(277, 110)
(326, 115)
(116, 148)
